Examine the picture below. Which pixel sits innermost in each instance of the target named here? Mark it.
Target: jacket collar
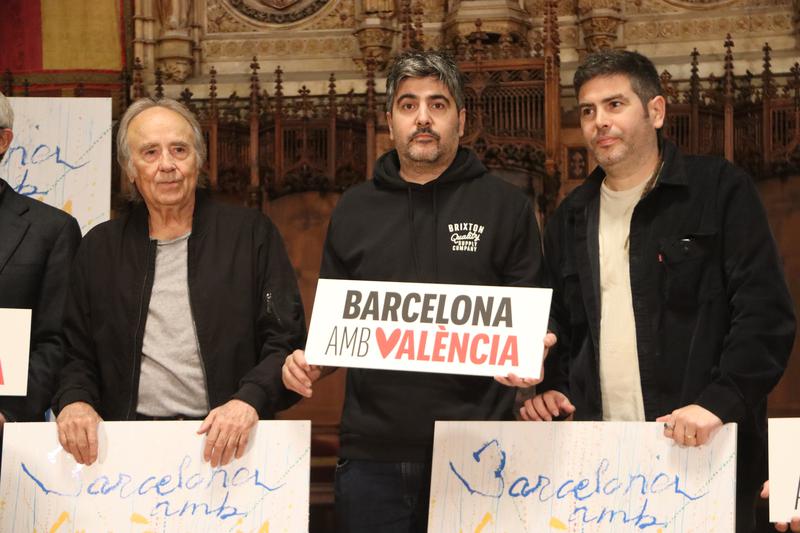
(13, 226)
(672, 173)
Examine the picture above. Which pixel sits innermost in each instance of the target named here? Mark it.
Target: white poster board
(15, 340)
(429, 327)
(784, 469)
(516, 477)
(150, 477)
(61, 155)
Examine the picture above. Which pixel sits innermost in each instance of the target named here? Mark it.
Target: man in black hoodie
(432, 214)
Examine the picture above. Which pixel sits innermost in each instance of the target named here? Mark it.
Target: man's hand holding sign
(475, 330)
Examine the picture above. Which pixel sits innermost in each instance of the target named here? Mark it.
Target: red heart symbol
(386, 345)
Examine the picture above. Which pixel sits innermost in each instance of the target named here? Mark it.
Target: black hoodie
(387, 229)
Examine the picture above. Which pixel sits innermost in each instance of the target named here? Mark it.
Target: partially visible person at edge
(37, 244)
(665, 272)
(184, 308)
(400, 226)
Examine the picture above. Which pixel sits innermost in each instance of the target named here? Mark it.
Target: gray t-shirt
(172, 380)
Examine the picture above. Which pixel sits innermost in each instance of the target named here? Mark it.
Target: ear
(657, 109)
(389, 123)
(6, 136)
(462, 121)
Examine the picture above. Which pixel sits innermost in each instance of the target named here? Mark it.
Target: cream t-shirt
(620, 382)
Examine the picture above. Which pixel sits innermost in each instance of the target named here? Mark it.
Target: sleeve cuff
(724, 402)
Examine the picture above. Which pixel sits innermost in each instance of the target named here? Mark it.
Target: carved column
(375, 32)
(497, 16)
(599, 21)
(175, 45)
(144, 30)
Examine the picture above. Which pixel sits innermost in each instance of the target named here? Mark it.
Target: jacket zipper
(189, 277)
(268, 301)
(136, 356)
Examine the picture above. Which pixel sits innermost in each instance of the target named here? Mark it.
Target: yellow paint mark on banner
(264, 527)
(136, 518)
(557, 524)
(61, 519)
(67, 207)
(486, 519)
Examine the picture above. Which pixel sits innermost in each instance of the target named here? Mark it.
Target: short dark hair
(423, 64)
(641, 72)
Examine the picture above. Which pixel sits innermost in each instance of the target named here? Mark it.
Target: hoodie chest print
(465, 236)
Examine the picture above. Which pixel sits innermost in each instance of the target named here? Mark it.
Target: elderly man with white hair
(183, 309)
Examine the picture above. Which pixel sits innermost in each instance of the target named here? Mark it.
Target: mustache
(424, 131)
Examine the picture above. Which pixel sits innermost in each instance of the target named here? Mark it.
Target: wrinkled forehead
(159, 124)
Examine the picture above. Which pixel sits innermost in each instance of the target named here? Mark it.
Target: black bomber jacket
(243, 296)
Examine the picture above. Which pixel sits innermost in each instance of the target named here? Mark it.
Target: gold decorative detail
(375, 42)
(677, 30)
(344, 46)
(599, 20)
(221, 17)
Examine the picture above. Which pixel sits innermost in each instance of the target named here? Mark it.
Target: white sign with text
(429, 327)
(15, 340)
(784, 469)
(150, 476)
(520, 477)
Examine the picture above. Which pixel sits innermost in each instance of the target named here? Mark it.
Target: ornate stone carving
(176, 69)
(174, 15)
(677, 30)
(174, 45)
(342, 16)
(701, 4)
(375, 42)
(235, 49)
(221, 18)
(599, 21)
(277, 11)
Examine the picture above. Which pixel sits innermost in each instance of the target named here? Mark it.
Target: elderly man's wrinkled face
(163, 157)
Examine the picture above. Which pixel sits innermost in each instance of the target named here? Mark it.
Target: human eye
(587, 111)
(408, 106)
(150, 154)
(180, 150)
(438, 106)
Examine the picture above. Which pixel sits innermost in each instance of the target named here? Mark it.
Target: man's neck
(170, 223)
(632, 175)
(421, 172)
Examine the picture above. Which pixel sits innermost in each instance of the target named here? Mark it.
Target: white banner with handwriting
(150, 476)
(583, 477)
(429, 327)
(61, 155)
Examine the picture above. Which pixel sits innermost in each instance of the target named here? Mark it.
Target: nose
(602, 119)
(423, 117)
(166, 162)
